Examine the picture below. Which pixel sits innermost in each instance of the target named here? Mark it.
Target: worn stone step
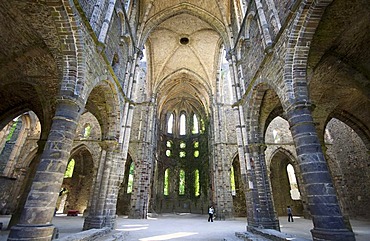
(248, 236)
(88, 235)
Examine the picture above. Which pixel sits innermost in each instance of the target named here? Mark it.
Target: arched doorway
(285, 187)
(237, 188)
(77, 183)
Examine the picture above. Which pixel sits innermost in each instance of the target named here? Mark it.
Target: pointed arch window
(130, 181)
(195, 124)
(182, 124)
(294, 191)
(166, 182)
(87, 131)
(170, 124)
(182, 182)
(70, 167)
(196, 183)
(232, 181)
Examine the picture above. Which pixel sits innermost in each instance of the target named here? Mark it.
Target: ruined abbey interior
(130, 107)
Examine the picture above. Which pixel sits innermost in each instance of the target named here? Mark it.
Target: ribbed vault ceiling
(183, 50)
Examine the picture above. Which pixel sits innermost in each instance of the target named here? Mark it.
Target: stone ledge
(91, 234)
(272, 234)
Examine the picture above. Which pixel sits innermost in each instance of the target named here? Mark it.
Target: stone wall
(349, 164)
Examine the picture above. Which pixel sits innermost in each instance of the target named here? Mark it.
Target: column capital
(108, 144)
(257, 147)
(299, 105)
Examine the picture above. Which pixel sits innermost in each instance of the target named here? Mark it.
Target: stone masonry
(248, 106)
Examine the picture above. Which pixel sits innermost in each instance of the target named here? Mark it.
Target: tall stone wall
(349, 164)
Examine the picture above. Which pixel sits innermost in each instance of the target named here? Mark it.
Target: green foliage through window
(11, 131)
(196, 153)
(182, 182)
(182, 145)
(169, 144)
(196, 184)
(166, 183)
(87, 131)
(182, 154)
(130, 181)
(70, 167)
(168, 153)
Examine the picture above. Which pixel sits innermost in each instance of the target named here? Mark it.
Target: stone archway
(78, 186)
(281, 187)
(348, 160)
(124, 195)
(239, 201)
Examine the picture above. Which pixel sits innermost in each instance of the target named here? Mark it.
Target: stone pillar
(38, 211)
(327, 218)
(266, 214)
(26, 184)
(96, 217)
(115, 179)
(144, 162)
(247, 173)
(222, 156)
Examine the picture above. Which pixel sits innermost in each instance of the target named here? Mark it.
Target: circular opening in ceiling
(184, 40)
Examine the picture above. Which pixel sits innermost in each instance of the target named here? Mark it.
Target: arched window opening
(202, 126)
(182, 145)
(182, 154)
(87, 131)
(130, 181)
(232, 181)
(182, 124)
(63, 194)
(169, 144)
(196, 183)
(166, 182)
(195, 125)
(168, 153)
(196, 153)
(12, 129)
(294, 191)
(170, 124)
(275, 134)
(70, 167)
(196, 144)
(182, 182)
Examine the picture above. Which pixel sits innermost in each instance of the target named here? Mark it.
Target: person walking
(210, 214)
(290, 214)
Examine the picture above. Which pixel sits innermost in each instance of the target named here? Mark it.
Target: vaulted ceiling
(184, 41)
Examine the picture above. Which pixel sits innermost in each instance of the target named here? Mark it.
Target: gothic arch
(203, 93)
(73, 55)
(124, 198)
(80, 184)
(263, 101)
(24, 140)
(348, 158)
(280, 159)
(239, 201)
(104, 104)
(360, 128)
(298, 47)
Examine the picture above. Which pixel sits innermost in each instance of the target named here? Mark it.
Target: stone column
(115, 179)
(96, 217)
(144, 162)
(38, 211)
(327, 218)
(266, 214)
